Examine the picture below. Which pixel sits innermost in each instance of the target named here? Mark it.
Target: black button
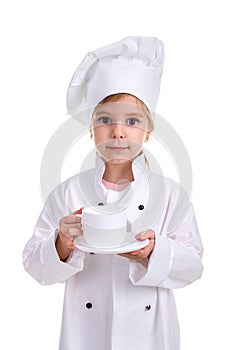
(88, 305)
(92, 253)
(148, 307)
(141, 207)
(100, 203)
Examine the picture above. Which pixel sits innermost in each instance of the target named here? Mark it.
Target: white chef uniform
(113, 303)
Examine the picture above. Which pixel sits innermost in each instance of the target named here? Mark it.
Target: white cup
(104, 226)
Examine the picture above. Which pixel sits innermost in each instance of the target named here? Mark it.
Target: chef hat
(133, 65)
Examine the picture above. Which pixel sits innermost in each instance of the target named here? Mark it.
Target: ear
(91, 134)
(147, 136)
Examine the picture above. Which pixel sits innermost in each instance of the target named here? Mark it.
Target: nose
(118, 130)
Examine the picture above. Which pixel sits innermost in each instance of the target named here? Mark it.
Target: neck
(118, 173)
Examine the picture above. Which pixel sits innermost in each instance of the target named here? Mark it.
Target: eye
(132, 121)
(105, 120)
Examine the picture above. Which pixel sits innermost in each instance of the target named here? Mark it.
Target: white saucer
(130, 244)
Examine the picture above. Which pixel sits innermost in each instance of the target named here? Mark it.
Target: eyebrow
(139, 115)
(133, 114)
(102, 112)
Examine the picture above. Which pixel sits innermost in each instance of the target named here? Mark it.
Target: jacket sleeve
(176, 259)
(40, 257)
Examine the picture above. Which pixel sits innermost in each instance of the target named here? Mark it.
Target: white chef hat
(133, 65)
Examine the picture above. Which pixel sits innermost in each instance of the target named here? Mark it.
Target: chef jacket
(112, 302)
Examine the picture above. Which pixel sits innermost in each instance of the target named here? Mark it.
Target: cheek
(138, 135)
(101, 135)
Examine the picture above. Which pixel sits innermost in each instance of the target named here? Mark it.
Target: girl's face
(120, 128)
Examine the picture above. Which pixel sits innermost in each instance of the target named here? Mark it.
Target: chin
(117, 160)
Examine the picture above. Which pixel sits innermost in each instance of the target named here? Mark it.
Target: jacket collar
(139, 169)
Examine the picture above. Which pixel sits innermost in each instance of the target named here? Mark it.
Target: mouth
(117, 148)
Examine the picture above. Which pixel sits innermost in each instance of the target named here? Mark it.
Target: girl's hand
(69, 228)
(143, 253)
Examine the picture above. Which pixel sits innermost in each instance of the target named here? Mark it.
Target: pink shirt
(115, 187)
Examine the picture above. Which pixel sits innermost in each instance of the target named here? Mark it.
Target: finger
(146, 251)
(74, 232)
(125, 255)
(65, 227)
(140, 253)
(71, 232)
(71, 219)
(135, 253)
(131, 257)
(70, 244)
(142, 236)
(68, 241)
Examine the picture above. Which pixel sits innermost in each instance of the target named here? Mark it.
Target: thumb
(149, 234)
(141, 236)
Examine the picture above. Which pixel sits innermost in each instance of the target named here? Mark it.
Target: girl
(118, 301)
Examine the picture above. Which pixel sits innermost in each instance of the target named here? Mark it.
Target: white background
(42, 43)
